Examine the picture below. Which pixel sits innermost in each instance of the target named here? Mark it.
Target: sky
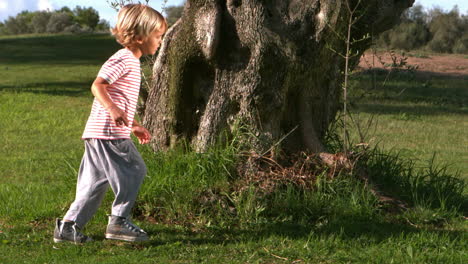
(13, 7)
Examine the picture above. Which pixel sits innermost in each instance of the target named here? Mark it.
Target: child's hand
(142, 134)
(118, 116)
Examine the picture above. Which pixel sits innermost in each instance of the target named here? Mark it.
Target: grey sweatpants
(107, 162)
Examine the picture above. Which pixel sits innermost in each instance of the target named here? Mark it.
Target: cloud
(3, 5)
(44, 5)
(13, 7)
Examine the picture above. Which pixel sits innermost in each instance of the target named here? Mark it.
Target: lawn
(421, 114)
(44, 90)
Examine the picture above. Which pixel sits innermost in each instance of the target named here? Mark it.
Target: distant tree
(411, 33)
(78, 20)
(3, 30)
(415, 14)
(59, 21)
(21, 24)
(406, 36)
(434, 12)
(102, 26)
(173, 13)
(74, 29)
(40, 20)
(86, 17)
(461, 45)
(67, 10)
(446, 30)
(435, 30)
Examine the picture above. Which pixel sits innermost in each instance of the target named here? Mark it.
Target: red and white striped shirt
(122, 71)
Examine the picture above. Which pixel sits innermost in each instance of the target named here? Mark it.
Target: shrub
(21, 24)
(102, 26)
(58, 22)
(435, 30)
(74, 29)
(461, 45)
(40, 20)
(3, 29)
(408, 36)
(446, 29)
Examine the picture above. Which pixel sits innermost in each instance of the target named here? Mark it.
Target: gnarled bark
(264, 63)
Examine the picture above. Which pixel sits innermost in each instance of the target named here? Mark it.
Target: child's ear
(139, 39)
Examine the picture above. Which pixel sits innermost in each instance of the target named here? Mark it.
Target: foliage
(102, 26)
(20, 24)
(40, 21)
(117, 4)
(415, 14)
(461, 45)
(173, 13)
(86, 17)
(64, 20)
(434, 30)
(446, 30)
(58, 22)
(406, 36)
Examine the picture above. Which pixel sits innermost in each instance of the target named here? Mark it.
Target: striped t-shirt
(122, 72)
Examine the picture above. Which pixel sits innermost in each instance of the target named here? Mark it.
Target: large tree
(272, 65)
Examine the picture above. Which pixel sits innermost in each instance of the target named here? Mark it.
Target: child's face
(151, 43)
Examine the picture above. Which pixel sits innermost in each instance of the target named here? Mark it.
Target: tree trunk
(271, 66)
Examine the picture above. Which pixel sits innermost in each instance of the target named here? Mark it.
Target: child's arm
(99, 90)
(140, 132)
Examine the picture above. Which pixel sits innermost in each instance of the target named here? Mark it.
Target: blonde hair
(137, 20)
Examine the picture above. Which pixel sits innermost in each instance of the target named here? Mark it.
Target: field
(420, 107)
(45, 101)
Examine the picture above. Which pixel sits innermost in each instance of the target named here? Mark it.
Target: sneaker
(69, 231)
(120, 228)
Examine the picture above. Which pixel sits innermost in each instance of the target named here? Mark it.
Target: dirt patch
(449, 64)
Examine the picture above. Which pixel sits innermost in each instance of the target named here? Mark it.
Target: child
(110, 156)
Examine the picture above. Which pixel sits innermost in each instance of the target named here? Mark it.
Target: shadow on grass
(379, 72)
(62, 49)
(345, 229)
(53, 88)
(410, 112)
(423, 93)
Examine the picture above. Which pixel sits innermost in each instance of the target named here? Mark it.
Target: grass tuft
(216, 189)
(428, 187)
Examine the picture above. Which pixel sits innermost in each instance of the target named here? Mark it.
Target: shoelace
(132, 226)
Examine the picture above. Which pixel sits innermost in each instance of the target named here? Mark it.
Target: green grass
(417, 115)
(44, 90)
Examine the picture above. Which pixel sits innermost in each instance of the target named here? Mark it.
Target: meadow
(45, 101)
